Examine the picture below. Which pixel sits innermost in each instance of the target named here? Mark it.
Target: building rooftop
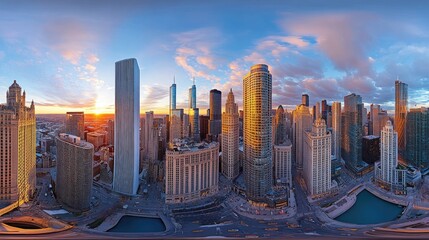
(286, 143)
(370, 137)
(74, 140)
(189, 145)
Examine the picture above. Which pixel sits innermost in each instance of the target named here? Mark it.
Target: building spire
(193, 80)
(174, 79)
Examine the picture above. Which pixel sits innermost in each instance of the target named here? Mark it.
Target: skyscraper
(127, 122)
(282, 162)
(257, 101)
(352, 132)
(336, 129)
(75, 124)
(176, 128)
(74, 172)
(230, 133)
(148, 137)
(194, 120)
(305, 100)
(173, 96)
(317, 158)
(215, 112)
(386, 171)
(401, 109)
(18, 148)
(417, 136)
(193, 96)
(302, 121)
(279, 126)
(111, 131)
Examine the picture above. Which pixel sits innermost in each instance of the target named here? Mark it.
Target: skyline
(68, 50)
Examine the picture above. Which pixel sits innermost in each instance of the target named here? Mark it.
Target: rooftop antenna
(174, 79)
(194, 80)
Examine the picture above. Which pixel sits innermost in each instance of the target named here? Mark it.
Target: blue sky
(63, 52)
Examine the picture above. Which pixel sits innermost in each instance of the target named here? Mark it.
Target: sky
(62, 53)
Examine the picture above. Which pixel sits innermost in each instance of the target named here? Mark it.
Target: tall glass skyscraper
(401, 109)
(351, 132)
(417, 137)
(215, 112)
(336, 129)
(257, 100)
(127, 123)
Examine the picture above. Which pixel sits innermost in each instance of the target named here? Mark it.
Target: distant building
(18, 148)
(279, 126)
(387, 172)
(191, 172)
(204, 126)
(97, 139)
(111, 132)
(317, 159)
(230, 139)
(305, 100)
(75, 123)
(258, 162)
(74, 172)
(127, 123)
(417, 138)
(371, 149)
(194, 120)
(283, 162)
(215, 112)
(176, 124)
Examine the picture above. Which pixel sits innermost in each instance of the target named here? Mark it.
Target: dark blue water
(133, 224)
(370, 209)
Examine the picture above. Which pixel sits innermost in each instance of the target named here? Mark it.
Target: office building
(401, 109)
(302, 121)
(215, 112)
(193, 96)
(317, 159)
(371, 149)
(194, 120)
(352, 132)
(336, 129)
(204, 126)
(283, 162)
(417, 137)
(127, 122)
(18, 148)
(97, 139)
(74, 172)
(305, 100)
(111, 132)
(387, 171)
(75, 123)
(257, 131)
(230, 133)
(176, 124)
(191, 172)
(279, 126)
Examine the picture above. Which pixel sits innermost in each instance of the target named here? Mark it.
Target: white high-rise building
(127, 122)
(317, 158)
(257, 132)
(336, 129)
(387, 171)
(230, 133)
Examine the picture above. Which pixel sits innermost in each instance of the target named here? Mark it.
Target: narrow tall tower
(230, 134)
(401, 109)
(301, 122)
(215, 112)
(257, 100)
(127, 122)
(279, 126)
(336, 129)
(388, 153)
(172, 96)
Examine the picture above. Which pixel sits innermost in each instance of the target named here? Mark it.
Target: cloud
(70, 38)
(194, 52)
(154, 96)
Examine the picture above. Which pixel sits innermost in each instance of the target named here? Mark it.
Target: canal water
(369, 209)
(133, 224)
